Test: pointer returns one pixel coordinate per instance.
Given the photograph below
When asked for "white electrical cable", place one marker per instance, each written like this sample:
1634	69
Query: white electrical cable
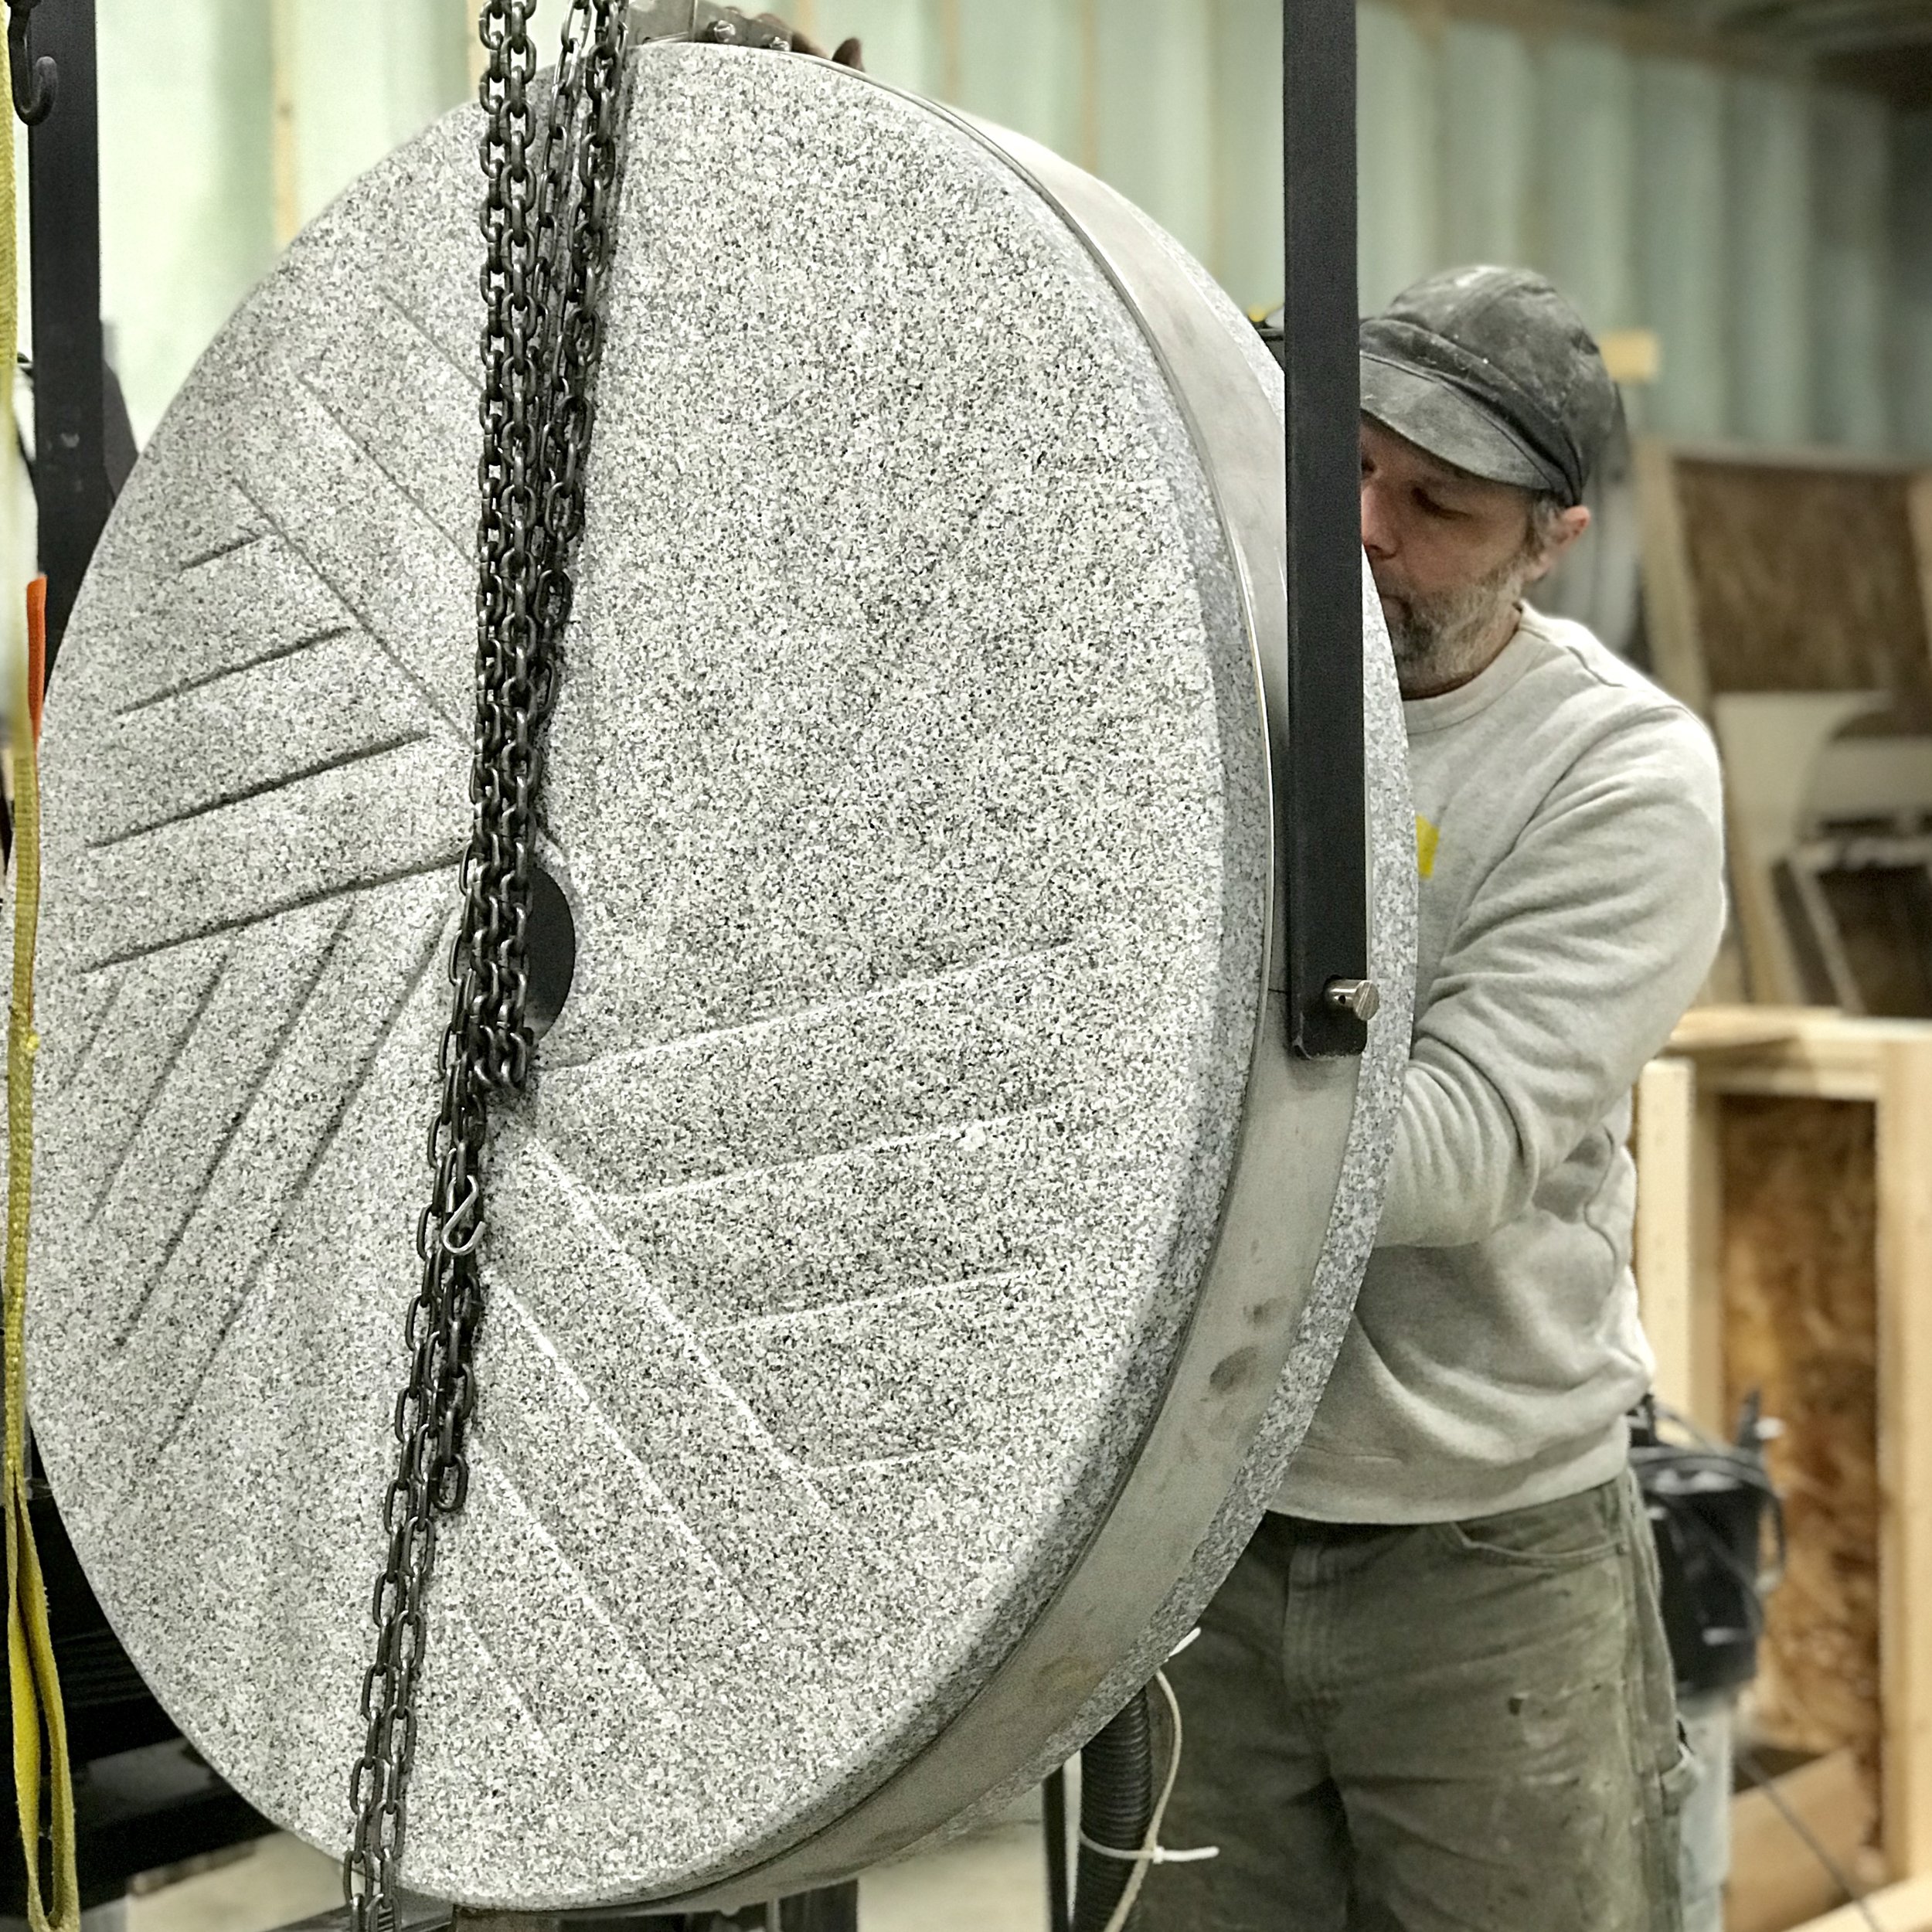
1151	1851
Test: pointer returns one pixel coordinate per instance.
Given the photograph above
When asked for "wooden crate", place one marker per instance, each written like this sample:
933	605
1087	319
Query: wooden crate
1769	571
1794	580
1784	1238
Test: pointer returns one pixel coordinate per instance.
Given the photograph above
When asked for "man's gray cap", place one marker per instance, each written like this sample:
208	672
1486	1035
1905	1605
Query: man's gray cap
1490	369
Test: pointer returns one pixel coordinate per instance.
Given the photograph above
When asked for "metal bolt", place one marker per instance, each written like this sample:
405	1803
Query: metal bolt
1361	997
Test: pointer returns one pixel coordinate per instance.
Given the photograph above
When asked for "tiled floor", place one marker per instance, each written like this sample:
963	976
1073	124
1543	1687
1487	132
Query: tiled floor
992	1882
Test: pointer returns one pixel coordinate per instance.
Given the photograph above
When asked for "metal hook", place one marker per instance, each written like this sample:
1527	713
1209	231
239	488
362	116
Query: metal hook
36	82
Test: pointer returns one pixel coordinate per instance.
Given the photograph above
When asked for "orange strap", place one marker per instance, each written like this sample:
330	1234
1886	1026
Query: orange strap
36	652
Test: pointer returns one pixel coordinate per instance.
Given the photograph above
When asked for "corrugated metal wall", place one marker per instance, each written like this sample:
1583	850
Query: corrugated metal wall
1778	236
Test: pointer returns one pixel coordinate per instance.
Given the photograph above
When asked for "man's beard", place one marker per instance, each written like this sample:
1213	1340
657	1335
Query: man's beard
1443	640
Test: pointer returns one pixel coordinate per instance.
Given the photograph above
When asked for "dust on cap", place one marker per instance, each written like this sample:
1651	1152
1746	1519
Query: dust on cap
1492	370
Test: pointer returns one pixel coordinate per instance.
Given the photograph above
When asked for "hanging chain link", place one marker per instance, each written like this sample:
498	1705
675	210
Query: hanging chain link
547	217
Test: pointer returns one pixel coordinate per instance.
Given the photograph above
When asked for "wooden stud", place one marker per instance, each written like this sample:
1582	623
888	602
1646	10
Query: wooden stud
1677	656
1905	1449
951	53
1708	1396
1635	357
1670	592
1678	1254
284	54
1664	1248
1918	510
479	55
1770	968
1739	1029
1899	1908
1089	60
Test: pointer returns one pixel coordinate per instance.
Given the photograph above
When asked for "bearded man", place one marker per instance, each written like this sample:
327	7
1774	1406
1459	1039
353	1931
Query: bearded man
1434	1695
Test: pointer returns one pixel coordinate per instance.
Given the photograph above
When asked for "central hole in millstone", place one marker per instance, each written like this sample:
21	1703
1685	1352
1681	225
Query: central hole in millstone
552	938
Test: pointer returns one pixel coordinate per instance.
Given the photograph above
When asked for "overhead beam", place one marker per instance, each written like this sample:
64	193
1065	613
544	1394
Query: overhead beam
1639	32
1811	21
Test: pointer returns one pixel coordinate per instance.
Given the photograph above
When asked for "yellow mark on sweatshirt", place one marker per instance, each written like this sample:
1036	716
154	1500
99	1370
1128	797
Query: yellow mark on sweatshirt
1428	837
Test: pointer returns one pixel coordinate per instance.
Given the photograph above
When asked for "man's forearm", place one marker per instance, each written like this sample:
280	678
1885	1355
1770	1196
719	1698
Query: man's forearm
1579	955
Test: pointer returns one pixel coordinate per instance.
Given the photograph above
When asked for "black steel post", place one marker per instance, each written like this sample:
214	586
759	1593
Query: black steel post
1059	1897
1327	870
81	445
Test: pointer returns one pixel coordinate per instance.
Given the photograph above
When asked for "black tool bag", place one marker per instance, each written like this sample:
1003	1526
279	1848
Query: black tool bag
1708	1503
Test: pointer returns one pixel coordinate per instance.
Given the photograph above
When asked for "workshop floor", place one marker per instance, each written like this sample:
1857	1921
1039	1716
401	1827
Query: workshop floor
993	1881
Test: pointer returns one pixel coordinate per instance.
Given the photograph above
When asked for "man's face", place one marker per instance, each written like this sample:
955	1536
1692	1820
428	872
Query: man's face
1450	554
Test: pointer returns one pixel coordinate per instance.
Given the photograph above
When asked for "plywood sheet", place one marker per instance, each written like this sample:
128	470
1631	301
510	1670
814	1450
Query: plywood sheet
1807	579
1800	1308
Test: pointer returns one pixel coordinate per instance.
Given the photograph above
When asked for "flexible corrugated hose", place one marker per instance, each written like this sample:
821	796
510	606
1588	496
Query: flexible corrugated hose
1116	1809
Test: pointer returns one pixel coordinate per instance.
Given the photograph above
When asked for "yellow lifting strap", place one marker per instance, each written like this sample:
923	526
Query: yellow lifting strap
30	1676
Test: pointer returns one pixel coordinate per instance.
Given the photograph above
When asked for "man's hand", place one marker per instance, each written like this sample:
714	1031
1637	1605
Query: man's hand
847	54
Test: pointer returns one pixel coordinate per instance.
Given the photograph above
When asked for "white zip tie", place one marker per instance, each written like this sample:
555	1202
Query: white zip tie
1161	1855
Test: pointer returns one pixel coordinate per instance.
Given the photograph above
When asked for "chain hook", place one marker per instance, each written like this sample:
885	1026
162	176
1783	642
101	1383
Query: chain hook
36	83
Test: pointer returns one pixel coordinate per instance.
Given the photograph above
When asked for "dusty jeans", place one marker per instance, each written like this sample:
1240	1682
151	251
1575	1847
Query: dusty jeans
1454	1728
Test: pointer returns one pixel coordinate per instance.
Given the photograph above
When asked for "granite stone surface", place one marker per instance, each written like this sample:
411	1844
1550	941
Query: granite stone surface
907	787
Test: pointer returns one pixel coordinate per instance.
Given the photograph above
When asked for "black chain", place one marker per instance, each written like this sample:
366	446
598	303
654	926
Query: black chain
547	220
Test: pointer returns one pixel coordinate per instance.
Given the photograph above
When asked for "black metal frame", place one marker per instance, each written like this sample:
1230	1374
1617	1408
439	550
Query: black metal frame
1326	864
141	1811
1059	1892
83	447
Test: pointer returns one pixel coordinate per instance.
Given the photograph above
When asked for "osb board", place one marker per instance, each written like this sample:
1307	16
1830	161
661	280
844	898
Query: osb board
1807	579
1799	1284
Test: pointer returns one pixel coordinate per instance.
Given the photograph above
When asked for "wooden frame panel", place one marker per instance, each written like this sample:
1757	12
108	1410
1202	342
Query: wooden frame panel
1905	1446
1719	1052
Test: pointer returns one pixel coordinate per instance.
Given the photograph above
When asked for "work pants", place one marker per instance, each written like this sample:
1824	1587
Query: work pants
1456	1727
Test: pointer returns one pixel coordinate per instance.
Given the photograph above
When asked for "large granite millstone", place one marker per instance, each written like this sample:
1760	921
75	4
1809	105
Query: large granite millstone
916	1254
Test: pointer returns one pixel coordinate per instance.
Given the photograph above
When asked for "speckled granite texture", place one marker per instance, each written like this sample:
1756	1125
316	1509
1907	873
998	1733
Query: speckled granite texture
907	787
1352	1229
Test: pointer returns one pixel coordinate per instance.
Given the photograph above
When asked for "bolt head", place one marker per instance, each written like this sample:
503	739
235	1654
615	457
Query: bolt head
1362	998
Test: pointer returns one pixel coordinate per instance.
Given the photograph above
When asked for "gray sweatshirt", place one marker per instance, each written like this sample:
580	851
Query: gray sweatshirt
1570	833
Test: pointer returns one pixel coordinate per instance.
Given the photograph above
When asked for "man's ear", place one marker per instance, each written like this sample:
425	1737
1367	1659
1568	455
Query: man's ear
1557	537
